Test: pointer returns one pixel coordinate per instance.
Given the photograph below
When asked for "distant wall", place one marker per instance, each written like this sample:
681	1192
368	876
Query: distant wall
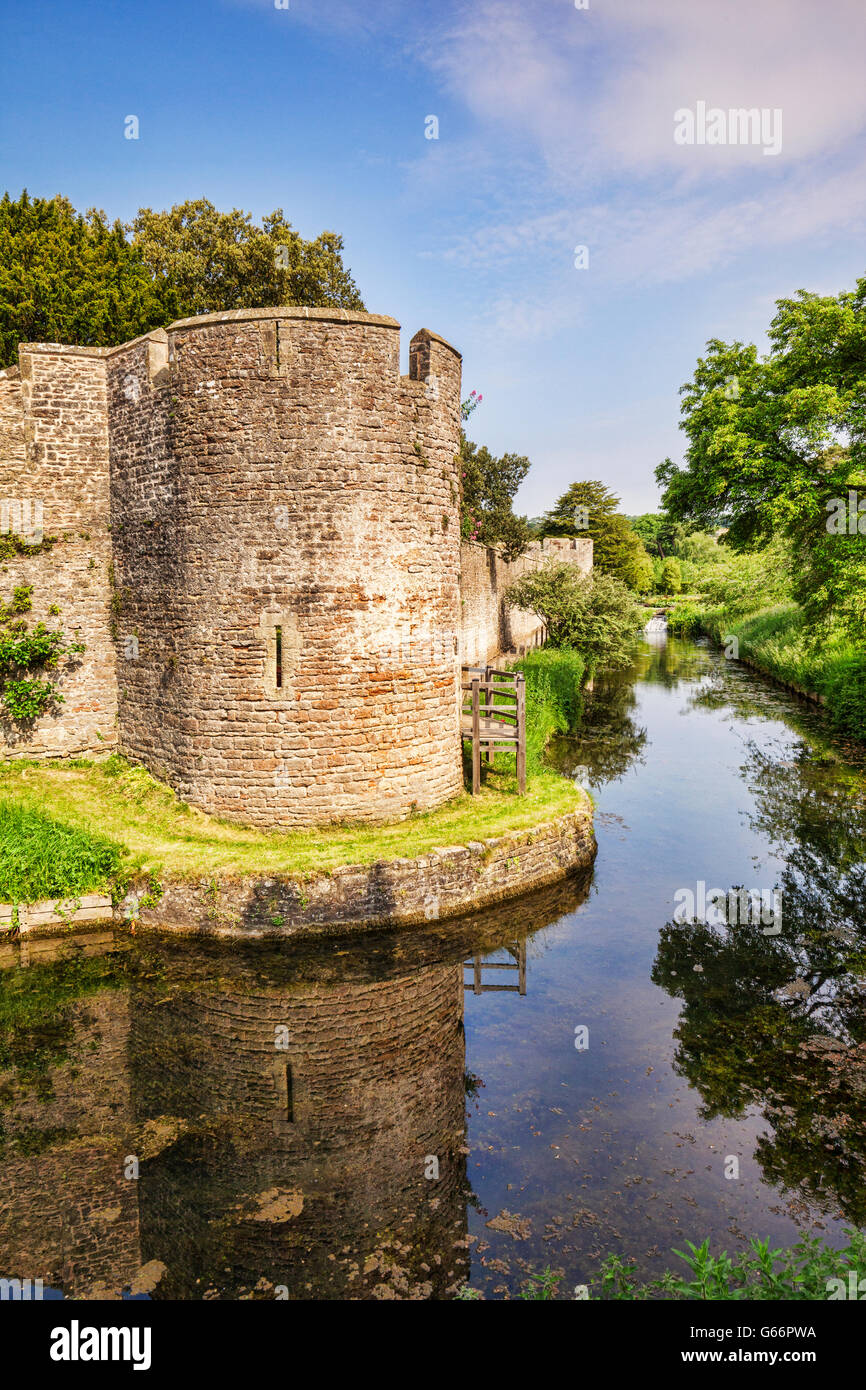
54	453
488	626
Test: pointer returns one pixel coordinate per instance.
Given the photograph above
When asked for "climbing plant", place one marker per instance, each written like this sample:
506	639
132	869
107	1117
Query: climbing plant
26	656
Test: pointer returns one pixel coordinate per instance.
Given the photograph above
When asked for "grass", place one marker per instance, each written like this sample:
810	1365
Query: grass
553	699
71	827
42	858
778	641
809	1269
114	801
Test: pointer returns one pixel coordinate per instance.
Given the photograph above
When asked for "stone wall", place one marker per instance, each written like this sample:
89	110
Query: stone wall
54	451
448	882
68	1214
488	626
252	524
278	487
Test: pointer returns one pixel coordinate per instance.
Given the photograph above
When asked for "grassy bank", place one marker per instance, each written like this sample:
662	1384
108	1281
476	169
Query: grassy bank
779	642
553	698
73	827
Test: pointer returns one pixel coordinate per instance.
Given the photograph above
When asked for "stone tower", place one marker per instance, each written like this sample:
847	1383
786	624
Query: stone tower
257	536
285	517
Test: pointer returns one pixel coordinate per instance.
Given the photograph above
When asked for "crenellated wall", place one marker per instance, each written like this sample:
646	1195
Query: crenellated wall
252	522
54	455
488	625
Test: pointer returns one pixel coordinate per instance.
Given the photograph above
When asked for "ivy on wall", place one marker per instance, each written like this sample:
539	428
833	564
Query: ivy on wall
27	655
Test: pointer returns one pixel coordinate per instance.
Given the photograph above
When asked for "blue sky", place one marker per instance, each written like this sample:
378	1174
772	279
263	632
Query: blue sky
556	130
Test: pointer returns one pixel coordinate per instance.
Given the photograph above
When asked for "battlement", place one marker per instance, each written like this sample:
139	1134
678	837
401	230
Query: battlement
251	520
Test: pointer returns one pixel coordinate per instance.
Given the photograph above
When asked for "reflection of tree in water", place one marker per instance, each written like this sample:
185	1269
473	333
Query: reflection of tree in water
669	661
779	1022
610	741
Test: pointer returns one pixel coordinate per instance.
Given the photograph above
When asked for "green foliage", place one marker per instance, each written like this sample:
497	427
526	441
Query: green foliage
807	1270
671	576
67	277
13	545
202	261
844	688
590	509
685	620
764	456
488	488
42	858
553	700
23	696
659	532
597	616
541	1288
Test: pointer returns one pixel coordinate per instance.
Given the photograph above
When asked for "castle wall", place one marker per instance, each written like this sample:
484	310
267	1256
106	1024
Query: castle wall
251	521
488	625
300	492
68	1214
54	451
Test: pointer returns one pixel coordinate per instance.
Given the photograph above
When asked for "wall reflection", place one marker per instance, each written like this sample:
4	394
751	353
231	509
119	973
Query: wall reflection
297	1113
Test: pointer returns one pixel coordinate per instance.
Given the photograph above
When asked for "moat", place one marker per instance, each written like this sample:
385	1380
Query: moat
345	1119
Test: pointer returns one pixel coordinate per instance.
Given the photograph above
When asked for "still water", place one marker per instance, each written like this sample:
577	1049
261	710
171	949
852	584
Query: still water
397	1115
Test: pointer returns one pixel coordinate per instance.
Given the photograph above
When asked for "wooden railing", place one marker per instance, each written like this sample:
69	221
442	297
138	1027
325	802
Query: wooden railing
493	715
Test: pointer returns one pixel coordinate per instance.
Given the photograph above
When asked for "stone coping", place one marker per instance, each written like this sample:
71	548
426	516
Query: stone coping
284	311
447	882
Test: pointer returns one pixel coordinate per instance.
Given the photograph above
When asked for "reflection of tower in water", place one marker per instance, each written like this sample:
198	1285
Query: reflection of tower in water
297	1112
321	1134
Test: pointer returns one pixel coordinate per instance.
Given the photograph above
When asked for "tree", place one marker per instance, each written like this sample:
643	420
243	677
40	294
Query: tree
596	615
489	485
671	576
777	444
203	261
590	509
659	533
69	277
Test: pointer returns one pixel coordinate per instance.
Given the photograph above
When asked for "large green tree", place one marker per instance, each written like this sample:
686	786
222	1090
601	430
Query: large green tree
73	277
591	509
68	277
777	447
489	485
203	261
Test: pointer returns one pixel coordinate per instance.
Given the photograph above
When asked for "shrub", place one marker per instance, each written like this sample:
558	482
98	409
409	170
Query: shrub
671	576
597	617
553	700
685	620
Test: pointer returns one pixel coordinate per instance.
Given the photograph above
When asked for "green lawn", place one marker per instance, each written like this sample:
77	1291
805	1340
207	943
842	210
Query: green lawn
119	803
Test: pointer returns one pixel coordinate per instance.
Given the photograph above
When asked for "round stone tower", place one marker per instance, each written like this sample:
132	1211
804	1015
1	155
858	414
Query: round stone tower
285	514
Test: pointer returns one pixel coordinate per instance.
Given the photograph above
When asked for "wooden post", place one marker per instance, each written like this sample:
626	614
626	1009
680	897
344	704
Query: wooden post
521	735
476	737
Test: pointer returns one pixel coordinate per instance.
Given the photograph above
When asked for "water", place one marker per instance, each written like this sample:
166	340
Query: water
346	1120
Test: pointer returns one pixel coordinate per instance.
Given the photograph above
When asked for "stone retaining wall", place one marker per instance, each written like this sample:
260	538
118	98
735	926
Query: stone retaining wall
448	882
